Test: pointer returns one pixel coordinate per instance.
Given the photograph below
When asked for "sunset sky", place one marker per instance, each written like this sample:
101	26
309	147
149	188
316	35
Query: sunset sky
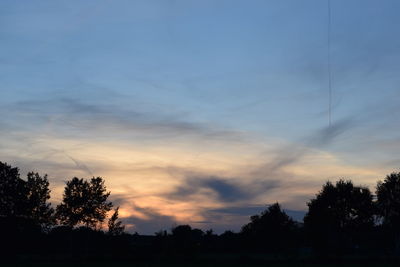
200	112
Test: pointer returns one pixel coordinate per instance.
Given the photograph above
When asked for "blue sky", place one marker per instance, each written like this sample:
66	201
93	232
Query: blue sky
177	103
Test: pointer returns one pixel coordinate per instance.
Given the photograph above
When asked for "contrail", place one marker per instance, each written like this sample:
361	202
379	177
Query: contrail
80	165
329	64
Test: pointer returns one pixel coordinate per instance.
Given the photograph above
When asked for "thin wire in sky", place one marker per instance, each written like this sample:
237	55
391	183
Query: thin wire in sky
329	65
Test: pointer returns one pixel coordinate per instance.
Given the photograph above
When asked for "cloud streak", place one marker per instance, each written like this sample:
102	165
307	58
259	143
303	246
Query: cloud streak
294	152
84	118
80	165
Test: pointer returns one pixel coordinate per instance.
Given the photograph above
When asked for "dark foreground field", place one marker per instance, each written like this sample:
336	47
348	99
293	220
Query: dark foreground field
212	260
187	264
238	259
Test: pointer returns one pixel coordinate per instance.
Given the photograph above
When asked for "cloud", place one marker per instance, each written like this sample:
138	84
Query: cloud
151	222
219	189
294	152
327	135
66	116
222	189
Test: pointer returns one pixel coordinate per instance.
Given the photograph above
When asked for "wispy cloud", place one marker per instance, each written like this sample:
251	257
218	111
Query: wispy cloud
295	152
71	116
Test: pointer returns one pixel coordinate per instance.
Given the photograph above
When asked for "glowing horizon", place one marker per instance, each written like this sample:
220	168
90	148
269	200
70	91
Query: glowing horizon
200	112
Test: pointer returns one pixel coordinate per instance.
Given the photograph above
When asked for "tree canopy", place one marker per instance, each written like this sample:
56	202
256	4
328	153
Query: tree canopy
273	225
25	199
12	197
388	199
338	212
37	194
84	202
271	220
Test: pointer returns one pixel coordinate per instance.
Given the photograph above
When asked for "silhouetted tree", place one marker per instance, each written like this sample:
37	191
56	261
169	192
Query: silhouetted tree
185	238
210	239
37	194
24	199
273	225
388	204
340	215
12	197
84	202
23	208
115	226
209	232
388	199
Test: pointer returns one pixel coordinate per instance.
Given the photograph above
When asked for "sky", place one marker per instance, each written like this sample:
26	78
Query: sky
200	112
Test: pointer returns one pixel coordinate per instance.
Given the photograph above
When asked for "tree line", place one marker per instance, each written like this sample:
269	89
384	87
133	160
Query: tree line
85	202
342	219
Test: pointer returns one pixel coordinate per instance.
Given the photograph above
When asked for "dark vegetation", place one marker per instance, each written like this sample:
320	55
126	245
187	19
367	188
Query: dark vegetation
344	223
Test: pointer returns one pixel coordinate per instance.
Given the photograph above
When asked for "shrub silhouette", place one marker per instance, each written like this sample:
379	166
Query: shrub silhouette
115	226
